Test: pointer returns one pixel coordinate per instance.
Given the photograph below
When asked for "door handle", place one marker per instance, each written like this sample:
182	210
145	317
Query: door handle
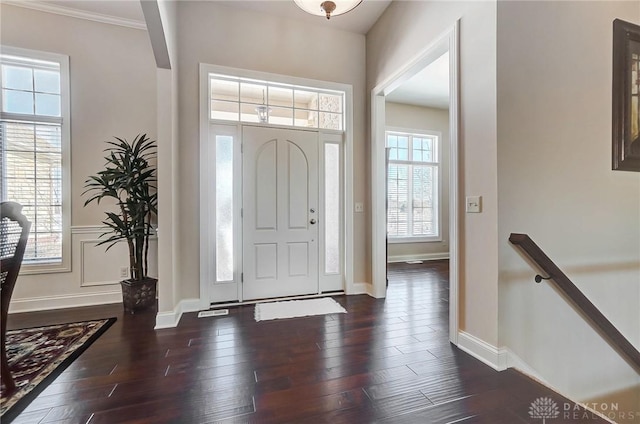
312	222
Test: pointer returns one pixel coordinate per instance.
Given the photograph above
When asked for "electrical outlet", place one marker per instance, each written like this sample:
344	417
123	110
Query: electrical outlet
124	272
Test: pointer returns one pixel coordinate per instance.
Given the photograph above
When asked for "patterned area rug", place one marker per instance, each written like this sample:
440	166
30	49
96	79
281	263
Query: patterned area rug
38	355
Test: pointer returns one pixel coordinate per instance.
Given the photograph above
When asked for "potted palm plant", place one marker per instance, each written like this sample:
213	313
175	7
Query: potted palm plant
129	178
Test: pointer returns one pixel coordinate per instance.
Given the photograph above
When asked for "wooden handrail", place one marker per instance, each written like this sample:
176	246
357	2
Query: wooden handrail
590	311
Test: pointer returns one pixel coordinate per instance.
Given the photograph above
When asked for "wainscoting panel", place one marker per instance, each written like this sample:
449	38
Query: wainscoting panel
94	277
101	267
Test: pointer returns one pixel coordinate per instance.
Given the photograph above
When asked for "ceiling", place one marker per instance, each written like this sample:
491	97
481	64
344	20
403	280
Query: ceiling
360	20
428	88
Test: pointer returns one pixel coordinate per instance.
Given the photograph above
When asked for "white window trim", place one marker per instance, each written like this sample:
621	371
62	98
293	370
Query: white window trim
330	281
416	239
65	120
413	131
230	289
233	131
269	84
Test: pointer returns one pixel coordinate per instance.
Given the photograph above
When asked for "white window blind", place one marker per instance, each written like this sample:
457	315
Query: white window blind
34	100
412	186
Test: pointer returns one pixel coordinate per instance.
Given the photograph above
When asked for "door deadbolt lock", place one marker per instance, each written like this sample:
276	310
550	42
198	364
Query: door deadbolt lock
312	210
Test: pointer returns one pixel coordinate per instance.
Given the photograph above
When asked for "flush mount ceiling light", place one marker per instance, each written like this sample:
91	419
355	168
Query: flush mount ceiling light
327	8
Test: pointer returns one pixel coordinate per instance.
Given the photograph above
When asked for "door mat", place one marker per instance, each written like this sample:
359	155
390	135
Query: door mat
297	308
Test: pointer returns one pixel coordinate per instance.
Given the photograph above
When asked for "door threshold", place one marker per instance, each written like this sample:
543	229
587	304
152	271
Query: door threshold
275	299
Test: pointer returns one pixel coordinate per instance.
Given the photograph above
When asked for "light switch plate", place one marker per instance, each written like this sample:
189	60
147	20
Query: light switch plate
359	207
474	204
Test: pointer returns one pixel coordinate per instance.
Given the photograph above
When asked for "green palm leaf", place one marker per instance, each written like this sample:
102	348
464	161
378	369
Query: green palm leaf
129	178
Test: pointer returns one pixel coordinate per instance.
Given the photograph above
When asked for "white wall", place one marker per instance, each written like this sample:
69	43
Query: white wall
556	184
425	119
113	93
405	29
215	34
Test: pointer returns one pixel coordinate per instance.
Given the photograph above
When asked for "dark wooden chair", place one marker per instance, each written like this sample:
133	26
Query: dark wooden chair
14	233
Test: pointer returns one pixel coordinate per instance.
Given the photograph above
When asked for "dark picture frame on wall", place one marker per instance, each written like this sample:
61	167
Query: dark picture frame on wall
626	96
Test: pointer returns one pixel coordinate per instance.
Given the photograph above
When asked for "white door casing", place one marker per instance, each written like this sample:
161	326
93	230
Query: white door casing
280	212
449	40
222	292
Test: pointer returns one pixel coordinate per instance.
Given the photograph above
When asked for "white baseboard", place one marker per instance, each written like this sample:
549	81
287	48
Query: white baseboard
483	351
64	301
418	257
172	318
361	288
514	361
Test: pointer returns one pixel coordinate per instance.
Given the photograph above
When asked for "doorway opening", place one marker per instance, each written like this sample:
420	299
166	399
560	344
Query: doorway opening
413	156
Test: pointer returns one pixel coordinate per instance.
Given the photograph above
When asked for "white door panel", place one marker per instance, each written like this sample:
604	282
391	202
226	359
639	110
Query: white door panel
280	231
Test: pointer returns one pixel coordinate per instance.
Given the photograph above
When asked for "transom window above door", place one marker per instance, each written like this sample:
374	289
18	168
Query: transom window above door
248	100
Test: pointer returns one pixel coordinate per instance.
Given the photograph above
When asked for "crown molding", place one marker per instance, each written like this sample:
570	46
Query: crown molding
76	13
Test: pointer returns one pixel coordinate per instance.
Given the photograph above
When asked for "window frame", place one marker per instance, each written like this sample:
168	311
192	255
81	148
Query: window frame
330	281
437	164
65	132
269	84
235	132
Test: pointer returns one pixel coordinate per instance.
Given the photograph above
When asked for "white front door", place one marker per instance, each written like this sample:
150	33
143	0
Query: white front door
280	212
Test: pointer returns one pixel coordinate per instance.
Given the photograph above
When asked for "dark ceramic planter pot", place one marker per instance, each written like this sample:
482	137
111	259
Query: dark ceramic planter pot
138	296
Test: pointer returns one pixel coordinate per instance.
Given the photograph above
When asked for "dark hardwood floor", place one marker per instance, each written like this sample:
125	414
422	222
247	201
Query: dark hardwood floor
386	361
